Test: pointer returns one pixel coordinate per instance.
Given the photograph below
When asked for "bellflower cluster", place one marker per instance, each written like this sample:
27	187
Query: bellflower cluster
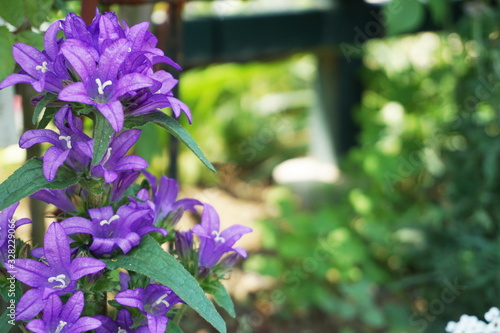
109	232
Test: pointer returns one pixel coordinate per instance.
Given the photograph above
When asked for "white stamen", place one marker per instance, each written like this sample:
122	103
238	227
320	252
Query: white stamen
61	278
108	154
101	86
162	300
60	326
218	238
67	139
42	68
129	49
111	219
121	330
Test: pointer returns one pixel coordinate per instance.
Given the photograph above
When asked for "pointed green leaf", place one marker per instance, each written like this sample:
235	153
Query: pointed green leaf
102	136
28	179
173	327
222	298
174	128
42	104
6	58
152	261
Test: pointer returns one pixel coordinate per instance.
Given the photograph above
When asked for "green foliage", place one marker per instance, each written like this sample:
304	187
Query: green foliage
6	42
413	241
102	136
253	115
28	179
222	297
174	128
167	270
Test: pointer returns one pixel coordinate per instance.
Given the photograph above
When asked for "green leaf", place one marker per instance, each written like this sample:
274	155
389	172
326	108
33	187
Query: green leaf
37	11
403	16
42	104
102	136
5	326
439	10
173	327
152	261
28	179
47	116
6	59
222	297
174	128
12	12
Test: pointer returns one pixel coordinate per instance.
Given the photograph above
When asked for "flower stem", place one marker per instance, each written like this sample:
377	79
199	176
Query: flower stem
180	313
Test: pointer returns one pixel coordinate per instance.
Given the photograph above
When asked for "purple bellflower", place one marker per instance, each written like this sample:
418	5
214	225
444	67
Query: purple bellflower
101	85
115	160
214	243
164	198
154	301
58	276
58	198
68	145
63	319
7	226
122	324
45	70
111	231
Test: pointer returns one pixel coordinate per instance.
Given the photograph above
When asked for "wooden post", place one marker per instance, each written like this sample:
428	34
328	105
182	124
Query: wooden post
88	10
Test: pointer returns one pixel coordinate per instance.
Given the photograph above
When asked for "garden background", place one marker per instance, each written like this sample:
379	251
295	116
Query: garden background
367	162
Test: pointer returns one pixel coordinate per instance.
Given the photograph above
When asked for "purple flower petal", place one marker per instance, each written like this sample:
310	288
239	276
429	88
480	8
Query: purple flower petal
15	79
131	162
82	266
50	39
53	306
52	160
36	326
57	198
75	92
107	325
122	143
233	233
80	57
113	112
72	309
30	59
30	304
130	82
85	324
157	324
131	297
56	246
112	58
31	272
32	137
74	225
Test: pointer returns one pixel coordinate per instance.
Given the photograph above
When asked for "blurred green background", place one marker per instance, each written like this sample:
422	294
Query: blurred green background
406	238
